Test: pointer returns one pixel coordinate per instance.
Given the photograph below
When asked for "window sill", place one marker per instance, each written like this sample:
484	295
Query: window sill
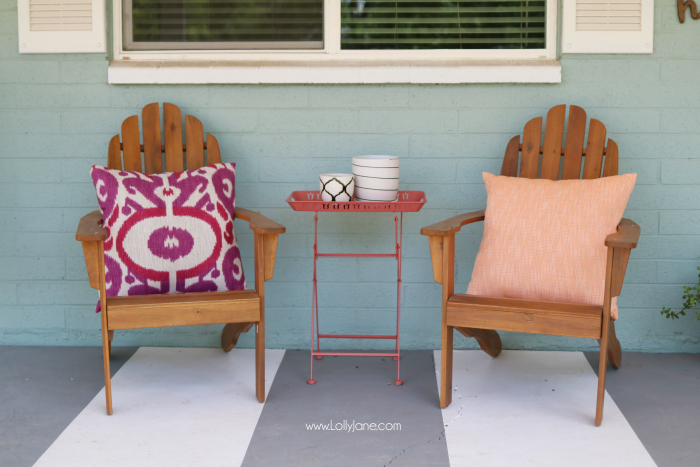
334	72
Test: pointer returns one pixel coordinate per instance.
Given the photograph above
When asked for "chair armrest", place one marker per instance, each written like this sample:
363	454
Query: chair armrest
453	224
259	223
627	235
90	228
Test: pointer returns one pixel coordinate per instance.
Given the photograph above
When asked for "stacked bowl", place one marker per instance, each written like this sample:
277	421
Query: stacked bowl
376	178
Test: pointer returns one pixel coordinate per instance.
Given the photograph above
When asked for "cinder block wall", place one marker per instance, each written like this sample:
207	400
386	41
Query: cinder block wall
57	113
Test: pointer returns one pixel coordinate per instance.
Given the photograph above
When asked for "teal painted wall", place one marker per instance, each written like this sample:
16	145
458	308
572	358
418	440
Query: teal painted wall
57	113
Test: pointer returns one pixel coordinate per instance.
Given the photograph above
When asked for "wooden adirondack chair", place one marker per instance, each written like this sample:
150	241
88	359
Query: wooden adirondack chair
240	310
480	317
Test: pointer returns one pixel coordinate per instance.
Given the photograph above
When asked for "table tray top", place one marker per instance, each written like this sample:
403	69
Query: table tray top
407	201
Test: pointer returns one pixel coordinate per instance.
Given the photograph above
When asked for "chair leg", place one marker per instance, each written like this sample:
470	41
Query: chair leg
614	347
446	367
111	337
260	360
489	341
231	333
602	365
106	346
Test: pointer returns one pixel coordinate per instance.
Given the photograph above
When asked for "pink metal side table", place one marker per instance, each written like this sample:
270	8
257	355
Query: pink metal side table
408	201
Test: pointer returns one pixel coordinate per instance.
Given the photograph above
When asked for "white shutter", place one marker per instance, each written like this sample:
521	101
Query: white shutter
608	26
61	26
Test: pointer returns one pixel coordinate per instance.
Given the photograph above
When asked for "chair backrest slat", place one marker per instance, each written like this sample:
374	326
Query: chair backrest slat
152	154
114	159
510	161
573	152
172	123
152	147
131	144
213	153
594	150
553	137
194	135
596	156
530	159
611	159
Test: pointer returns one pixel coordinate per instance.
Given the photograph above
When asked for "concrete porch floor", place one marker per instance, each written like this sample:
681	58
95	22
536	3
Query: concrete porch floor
42	389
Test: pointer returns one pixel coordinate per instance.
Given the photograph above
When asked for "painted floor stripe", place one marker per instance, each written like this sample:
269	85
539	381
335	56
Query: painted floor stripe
529	408
172	407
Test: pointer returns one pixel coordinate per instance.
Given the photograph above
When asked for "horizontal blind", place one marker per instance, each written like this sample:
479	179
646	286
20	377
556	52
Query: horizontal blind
601	15
60	15
206	24
437	24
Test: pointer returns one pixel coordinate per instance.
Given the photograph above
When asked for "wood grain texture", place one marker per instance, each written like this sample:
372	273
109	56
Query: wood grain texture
231	333
530	157
573	152
269	253
614	347
92	263
213	152
453	224
627	235
152	155
436	244
593	163
90	228
510	160
602	364
611	159
447	348
114	154
172	121
553	137
194	136
488	339
105	327
620	258
131	144
558	319
150	311
258	222
259	245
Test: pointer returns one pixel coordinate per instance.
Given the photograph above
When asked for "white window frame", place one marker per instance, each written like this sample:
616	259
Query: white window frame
332	51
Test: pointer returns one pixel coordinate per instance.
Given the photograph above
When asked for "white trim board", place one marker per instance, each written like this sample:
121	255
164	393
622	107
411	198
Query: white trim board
529	408
172	407
340	72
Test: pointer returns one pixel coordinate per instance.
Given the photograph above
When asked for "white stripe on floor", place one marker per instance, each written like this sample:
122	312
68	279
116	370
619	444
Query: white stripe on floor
172	407
529	408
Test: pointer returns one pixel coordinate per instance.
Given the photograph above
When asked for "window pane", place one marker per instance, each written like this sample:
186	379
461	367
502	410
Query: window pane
223	24
436	24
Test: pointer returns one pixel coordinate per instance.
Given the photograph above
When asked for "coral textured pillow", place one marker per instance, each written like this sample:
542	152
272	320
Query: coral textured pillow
169	232
545	240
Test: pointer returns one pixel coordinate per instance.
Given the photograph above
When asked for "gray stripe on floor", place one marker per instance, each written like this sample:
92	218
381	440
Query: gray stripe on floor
351	388
658	395
42	389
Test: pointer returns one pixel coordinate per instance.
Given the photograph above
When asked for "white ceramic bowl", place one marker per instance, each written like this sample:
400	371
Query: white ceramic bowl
376	172
377	183
376	161
367	194
337	187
